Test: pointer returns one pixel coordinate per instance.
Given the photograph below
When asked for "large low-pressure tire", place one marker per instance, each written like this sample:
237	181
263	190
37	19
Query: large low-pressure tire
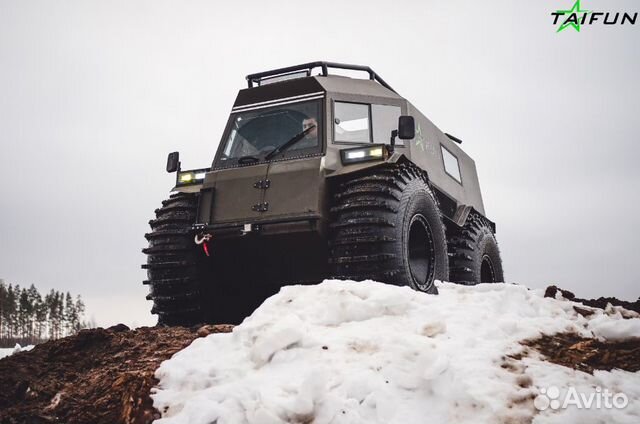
387	227
173	262
474	256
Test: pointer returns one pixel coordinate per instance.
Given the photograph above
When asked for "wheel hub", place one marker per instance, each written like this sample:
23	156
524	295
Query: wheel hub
487	271
421	252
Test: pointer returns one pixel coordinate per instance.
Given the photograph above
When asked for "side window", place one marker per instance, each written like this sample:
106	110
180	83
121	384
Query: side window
451	165
351	122
385	120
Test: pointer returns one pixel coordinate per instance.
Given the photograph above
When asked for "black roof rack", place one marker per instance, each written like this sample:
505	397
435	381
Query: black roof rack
256	78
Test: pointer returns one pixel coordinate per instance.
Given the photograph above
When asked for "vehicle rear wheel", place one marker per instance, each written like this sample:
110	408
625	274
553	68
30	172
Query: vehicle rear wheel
473	253
387	227
173	262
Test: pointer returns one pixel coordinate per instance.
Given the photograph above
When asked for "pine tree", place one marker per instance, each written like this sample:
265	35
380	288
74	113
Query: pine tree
52	306
28	317
61	317
79	307
40	317
3	306
23	314
11	310
70	314
32	297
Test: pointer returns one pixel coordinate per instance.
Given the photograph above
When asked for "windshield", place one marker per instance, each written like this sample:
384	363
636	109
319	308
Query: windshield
255	134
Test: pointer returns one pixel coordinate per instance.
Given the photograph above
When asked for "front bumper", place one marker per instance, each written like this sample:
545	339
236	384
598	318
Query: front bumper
308	223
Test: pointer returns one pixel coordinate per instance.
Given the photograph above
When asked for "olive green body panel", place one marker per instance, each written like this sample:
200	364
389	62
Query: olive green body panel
425	151
234	193
297	186
264	192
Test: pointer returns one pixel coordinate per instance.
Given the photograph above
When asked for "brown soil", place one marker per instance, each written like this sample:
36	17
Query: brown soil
587	355
96	376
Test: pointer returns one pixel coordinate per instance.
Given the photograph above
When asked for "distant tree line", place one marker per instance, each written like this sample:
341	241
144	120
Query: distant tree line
28	317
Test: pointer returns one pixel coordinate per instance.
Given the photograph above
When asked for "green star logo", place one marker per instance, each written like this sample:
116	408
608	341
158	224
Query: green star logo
572	20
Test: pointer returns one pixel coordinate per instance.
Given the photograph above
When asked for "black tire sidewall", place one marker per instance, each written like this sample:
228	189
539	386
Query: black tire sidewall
172	303
417	199
488	246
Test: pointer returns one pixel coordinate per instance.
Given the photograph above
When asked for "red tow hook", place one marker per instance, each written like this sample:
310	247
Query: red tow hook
203	239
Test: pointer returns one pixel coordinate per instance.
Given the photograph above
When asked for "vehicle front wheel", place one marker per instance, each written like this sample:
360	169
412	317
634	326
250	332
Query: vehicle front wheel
173	262
387	227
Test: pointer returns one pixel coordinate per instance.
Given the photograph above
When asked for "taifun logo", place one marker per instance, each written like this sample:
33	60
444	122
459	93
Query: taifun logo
576	17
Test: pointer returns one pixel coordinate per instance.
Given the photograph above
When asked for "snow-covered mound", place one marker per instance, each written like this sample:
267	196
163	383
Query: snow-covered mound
11	350
346	352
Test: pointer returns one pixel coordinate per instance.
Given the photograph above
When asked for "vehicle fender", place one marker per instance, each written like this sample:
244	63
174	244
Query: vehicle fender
396	157
195	188
460	212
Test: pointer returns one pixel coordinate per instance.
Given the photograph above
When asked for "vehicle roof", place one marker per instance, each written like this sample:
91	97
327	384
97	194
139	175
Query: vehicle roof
313	85
357	86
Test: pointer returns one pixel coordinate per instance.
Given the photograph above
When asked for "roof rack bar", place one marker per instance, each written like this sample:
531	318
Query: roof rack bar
255	78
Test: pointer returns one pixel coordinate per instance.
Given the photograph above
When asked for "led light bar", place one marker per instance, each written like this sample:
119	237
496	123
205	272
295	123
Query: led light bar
363	154
195	176
284	77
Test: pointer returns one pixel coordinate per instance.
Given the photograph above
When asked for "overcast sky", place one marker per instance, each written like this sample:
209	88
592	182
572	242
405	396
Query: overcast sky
93	95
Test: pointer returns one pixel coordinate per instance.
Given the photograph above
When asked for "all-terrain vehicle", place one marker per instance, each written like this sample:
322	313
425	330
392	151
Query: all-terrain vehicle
317	176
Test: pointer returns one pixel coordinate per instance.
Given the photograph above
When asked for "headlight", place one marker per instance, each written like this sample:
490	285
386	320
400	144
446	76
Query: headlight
191	177
363	154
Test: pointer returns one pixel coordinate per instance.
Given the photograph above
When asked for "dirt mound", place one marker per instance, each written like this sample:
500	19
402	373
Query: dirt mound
600	302
96	376
587	355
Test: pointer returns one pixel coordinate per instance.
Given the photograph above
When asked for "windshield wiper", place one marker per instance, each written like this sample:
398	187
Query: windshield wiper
289	143
247	159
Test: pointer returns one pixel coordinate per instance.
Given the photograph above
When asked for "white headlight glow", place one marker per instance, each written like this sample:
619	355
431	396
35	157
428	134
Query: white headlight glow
362	155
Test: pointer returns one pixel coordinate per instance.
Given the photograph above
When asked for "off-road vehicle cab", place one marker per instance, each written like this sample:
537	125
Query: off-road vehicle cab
317	176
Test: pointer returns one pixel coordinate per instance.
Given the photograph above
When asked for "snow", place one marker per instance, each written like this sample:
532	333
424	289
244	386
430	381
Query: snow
11	350
614	327
347	352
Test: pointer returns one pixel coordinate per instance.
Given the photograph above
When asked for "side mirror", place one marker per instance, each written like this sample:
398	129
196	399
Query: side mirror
406	128
173	162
